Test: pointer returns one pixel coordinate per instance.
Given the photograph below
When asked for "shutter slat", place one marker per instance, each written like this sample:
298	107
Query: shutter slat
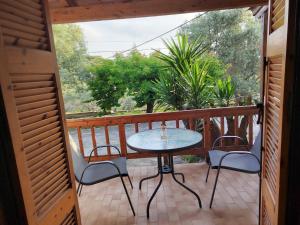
25	8
41	158
13	18
34	154
37	111
33	85
22	24
36	118
34	98
35	91
40	137
277	14
41	143
46	189
36	105
47	172
48	128
54	196
38	124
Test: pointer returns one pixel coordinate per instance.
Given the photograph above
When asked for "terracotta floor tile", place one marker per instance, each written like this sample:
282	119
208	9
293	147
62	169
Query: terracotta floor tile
235	203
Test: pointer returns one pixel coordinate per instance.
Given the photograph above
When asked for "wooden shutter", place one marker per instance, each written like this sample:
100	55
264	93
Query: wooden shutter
33	102
276	121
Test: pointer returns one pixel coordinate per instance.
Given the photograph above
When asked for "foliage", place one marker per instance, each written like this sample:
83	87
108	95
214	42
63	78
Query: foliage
72	60
182	53
192	158
170	93
127	103
71	55
194	83
106	88
234	36
190	76
139	72
224	91
132	75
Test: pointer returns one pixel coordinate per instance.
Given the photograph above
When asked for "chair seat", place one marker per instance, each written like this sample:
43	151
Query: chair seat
102	172
238	162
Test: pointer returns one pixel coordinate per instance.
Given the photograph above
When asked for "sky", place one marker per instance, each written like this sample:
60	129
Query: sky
105	38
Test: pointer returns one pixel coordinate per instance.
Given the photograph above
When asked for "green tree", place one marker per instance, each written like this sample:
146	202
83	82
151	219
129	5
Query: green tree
71	55
131	75
139	72
72	61
105	85
234	36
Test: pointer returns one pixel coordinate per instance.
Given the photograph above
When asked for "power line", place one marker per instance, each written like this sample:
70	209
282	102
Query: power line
158	36
105	41
107	51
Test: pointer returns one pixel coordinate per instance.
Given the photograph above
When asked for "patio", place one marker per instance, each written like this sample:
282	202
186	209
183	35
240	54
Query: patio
235	203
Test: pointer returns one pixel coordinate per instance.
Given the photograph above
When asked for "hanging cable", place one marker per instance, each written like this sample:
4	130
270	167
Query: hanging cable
158	36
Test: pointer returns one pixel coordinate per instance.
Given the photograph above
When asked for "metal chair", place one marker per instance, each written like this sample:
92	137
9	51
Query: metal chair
241	161
87	173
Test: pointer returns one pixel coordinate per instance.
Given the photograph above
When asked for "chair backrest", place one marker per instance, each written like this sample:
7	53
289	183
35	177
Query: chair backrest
256	148
79	162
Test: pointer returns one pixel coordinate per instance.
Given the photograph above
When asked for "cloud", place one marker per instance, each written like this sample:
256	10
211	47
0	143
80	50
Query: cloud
105	38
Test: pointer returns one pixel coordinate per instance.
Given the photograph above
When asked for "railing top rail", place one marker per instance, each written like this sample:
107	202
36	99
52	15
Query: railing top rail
167	116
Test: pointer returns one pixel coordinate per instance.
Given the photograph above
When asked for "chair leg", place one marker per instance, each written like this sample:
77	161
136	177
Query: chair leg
207	172
130	181
131	206
79	189
214	190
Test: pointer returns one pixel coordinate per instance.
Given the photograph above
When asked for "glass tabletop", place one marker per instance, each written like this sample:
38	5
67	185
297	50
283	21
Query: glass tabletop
176	139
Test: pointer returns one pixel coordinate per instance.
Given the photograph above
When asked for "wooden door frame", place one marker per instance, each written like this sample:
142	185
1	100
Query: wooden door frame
292	209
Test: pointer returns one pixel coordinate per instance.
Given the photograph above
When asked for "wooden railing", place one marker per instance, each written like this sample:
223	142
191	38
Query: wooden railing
91	132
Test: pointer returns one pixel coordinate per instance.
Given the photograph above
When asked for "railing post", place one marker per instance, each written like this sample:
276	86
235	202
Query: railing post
207	138
94	140
222	129
236	128
80	141
122	137
107	141
150	125
250	117
177	123
192	123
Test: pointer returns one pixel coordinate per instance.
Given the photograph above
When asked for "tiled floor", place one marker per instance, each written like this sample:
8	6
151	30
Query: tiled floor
236	199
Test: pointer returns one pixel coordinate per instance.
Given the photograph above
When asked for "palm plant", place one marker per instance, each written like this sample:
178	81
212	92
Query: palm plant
224	91
195	84
224	94
170	93
185	82
182	53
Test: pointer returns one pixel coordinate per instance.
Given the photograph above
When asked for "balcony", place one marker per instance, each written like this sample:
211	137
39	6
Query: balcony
237	195
235	203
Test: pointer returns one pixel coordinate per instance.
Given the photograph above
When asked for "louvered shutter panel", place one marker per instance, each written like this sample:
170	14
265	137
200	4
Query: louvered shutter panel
275	153
277	14
34	106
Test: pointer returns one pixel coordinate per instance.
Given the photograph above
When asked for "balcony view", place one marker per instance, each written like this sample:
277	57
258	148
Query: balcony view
195	71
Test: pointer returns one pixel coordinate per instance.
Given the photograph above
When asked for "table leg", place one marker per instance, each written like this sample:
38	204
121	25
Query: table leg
167	168
160	172
182	176
187	188
147	178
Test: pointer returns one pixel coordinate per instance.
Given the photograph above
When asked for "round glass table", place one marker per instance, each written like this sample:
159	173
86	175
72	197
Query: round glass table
165	144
